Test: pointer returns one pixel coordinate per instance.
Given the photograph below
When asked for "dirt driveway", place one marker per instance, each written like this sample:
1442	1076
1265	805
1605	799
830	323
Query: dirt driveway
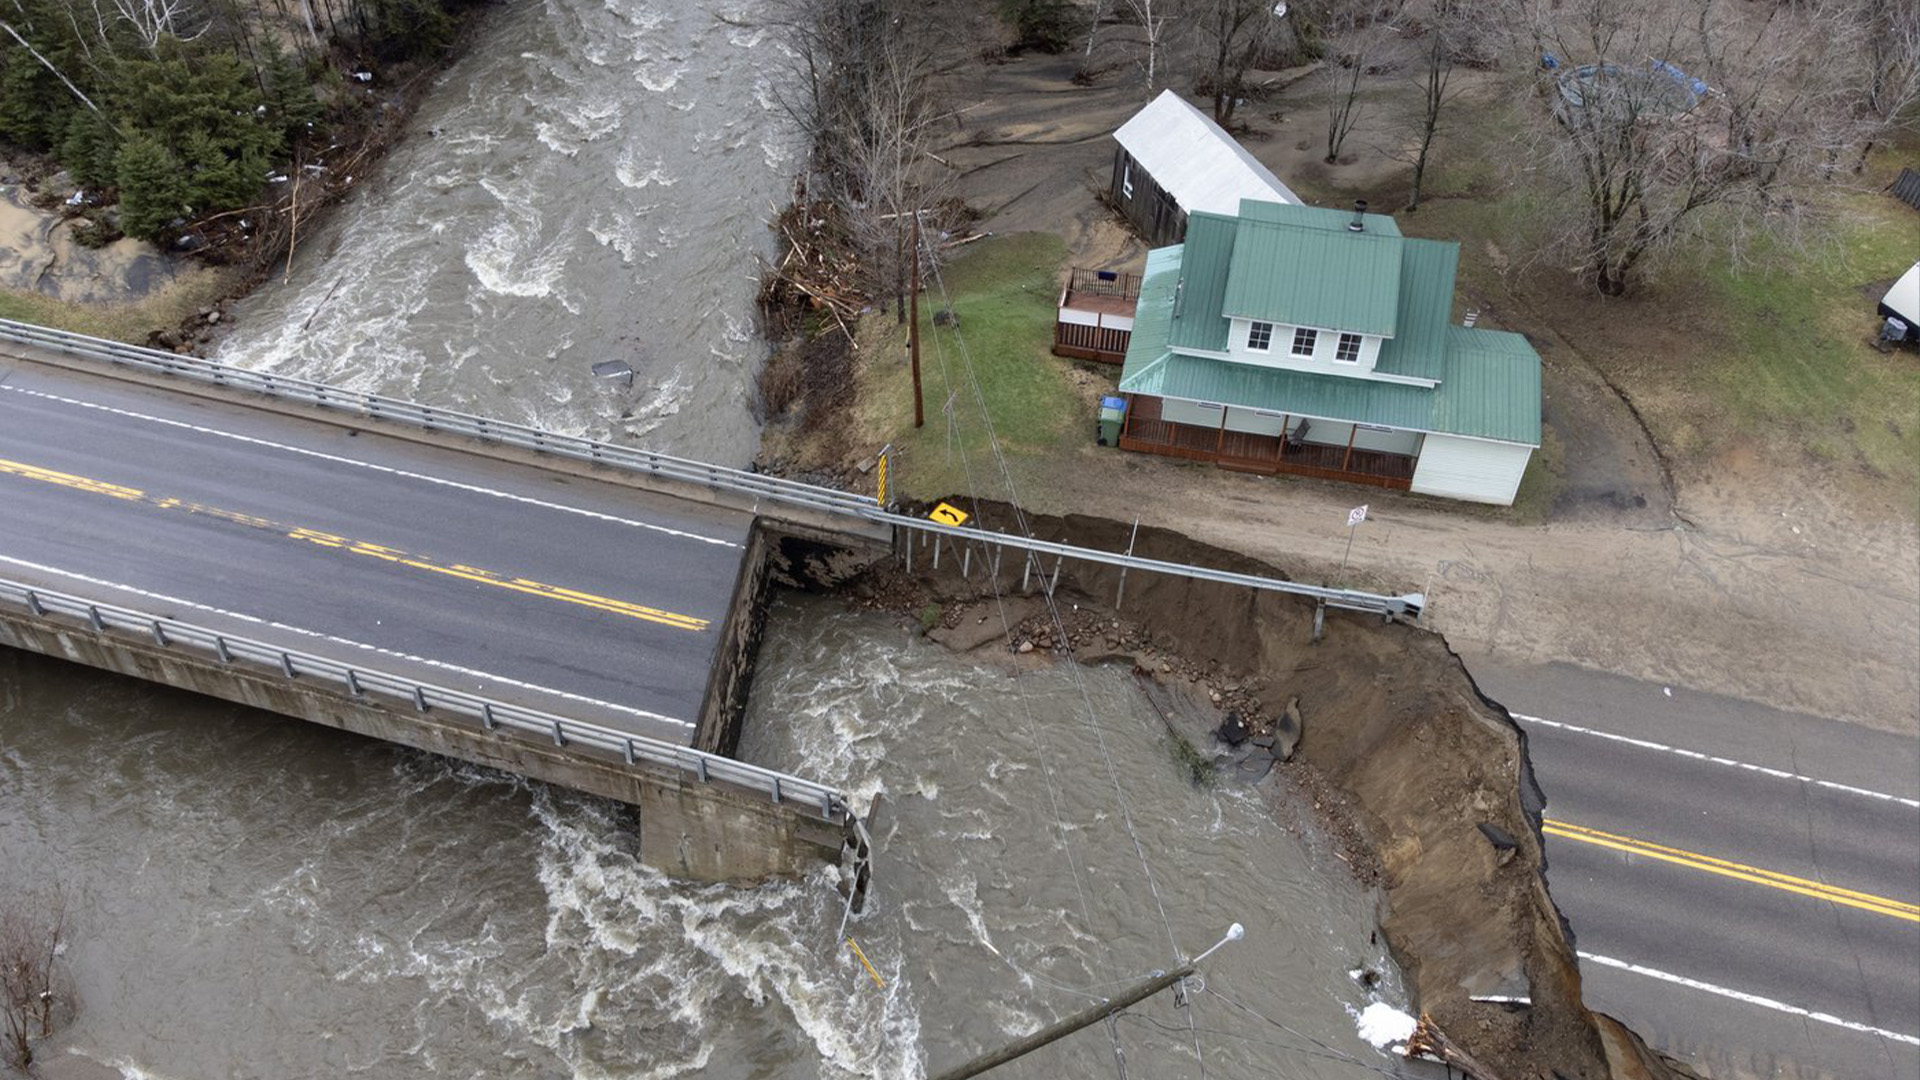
1742	580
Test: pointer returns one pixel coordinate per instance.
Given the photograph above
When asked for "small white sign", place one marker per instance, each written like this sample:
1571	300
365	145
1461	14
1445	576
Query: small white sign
1356	515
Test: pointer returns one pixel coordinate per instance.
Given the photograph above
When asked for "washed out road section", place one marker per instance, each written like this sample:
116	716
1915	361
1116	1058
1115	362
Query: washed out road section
546	589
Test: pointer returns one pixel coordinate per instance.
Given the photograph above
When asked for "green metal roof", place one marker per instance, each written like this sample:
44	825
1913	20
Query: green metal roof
1418	349
1311	276
1315	217
1153	312
1491	389
1209	248
1489	380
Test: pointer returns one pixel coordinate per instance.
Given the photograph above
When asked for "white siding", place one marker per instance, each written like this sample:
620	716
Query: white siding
1280	353
1254	421
1470	469
1387	441
1186	412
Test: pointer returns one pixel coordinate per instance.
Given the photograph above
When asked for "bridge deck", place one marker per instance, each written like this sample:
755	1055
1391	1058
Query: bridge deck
554	591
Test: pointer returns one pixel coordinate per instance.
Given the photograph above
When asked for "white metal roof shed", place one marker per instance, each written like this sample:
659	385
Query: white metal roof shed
1904	298
1196	162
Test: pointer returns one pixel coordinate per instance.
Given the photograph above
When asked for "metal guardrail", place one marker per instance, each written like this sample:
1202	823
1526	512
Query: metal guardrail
805	796
755	486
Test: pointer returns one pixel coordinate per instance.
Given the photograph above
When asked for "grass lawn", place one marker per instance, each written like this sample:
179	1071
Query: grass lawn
166	307
1004	290
1770	354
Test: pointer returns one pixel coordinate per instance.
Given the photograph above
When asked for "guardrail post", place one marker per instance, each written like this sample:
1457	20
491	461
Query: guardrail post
559	736
33	605
159	635
419	698
486	716
286	665
1026	572
626	751
353	682
909	533
936	551
966	560
700	767
1054	582
776	790
93	616
1319	619
220	649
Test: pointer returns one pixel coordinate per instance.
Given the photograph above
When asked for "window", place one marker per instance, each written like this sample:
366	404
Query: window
1304	340
1260	337
1348	351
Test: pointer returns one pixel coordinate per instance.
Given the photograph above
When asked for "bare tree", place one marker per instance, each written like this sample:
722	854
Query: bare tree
1433	78
1358	34
34	989
153	20
1657	110
1152	16
1229	37
1880	65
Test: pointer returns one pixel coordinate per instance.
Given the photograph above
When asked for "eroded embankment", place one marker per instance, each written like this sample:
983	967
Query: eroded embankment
1392	720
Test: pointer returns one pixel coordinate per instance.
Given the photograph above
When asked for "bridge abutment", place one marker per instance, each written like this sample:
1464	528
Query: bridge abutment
688	828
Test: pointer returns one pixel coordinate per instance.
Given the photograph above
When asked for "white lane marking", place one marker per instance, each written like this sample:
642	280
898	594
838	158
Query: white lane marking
409	657
1696	755
358	464
1750	999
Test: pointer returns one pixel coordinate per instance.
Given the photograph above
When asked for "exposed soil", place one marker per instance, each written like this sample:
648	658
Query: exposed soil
1753	574
1400	762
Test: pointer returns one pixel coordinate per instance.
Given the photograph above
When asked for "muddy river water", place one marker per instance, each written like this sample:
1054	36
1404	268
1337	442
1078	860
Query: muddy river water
256	897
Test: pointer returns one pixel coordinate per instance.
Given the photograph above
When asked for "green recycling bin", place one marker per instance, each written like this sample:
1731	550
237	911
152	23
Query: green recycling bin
1113	416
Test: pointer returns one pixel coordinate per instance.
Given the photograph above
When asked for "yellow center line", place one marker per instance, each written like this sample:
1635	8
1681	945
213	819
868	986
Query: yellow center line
1819	890
460	571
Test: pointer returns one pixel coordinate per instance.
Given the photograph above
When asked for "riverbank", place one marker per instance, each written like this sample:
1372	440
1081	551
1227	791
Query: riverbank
1410	777
54	273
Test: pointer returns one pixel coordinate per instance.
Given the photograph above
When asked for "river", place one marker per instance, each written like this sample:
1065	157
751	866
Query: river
255	896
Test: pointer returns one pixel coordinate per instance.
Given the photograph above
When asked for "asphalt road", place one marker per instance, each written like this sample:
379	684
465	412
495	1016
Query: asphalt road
561	593
1753	915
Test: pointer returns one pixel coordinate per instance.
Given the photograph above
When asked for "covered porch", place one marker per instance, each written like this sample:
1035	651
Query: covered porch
1149	431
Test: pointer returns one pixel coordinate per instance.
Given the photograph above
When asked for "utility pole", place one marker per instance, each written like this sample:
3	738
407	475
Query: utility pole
913	326
1086	1017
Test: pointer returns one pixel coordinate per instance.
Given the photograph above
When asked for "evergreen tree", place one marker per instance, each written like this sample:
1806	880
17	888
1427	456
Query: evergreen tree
291	104
153	188
89	149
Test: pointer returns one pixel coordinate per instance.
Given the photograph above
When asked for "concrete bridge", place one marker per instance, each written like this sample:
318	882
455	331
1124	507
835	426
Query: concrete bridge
578	612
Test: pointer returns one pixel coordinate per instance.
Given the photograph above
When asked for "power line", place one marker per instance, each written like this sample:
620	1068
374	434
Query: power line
1053	610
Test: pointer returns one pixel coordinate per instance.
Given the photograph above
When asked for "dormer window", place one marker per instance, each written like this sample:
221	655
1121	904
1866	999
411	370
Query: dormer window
1348	351
1260	337
1304	340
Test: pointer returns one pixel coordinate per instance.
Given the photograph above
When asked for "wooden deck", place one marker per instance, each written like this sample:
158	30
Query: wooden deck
1145	431
1098	297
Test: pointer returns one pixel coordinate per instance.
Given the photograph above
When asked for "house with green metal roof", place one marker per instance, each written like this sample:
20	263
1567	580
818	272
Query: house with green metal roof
1297	339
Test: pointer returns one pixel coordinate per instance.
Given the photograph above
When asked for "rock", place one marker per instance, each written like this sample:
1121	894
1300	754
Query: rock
1214	696
1287	731
212	317
1231	731
1026	647
1503	843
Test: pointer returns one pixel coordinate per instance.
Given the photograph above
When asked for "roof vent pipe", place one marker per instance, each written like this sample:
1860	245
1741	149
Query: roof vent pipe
1359	222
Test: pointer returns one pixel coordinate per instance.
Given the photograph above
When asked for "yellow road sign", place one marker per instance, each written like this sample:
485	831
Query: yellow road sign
947	514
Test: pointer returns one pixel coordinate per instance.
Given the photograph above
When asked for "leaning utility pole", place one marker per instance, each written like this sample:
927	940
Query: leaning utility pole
1088	1016
913	325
